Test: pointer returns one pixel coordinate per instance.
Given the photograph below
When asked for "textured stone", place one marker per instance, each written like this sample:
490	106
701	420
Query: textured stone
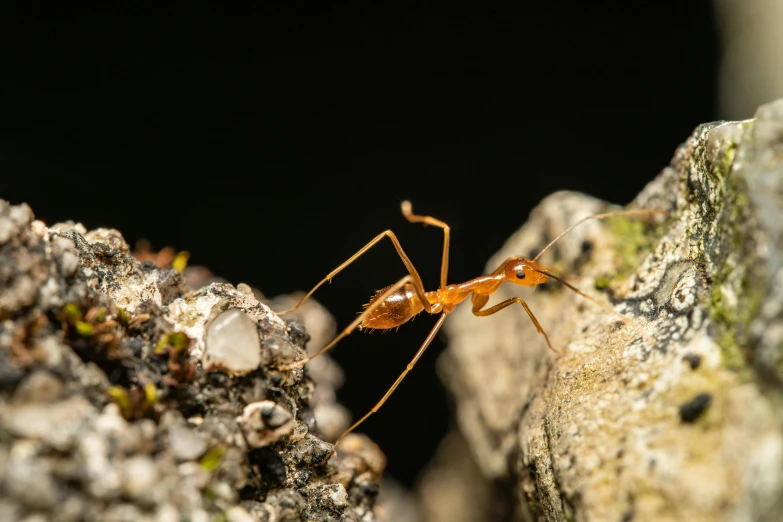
101	363
625	424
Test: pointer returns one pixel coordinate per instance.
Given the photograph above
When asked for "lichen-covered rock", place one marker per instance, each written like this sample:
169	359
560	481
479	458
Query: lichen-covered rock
676	415
130	393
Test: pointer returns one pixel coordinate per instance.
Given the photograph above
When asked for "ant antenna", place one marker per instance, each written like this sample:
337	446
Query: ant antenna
597	216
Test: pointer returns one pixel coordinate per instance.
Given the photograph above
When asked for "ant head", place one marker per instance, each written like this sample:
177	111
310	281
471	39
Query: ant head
523	272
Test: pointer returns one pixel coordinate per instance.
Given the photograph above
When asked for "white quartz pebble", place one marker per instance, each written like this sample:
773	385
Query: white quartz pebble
232	343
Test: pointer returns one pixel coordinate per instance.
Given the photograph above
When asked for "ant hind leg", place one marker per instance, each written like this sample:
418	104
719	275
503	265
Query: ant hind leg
405	372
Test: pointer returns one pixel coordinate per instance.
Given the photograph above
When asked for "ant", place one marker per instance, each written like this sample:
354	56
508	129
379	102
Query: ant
398	303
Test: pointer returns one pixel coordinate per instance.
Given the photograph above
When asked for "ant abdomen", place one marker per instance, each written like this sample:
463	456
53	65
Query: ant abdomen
397	309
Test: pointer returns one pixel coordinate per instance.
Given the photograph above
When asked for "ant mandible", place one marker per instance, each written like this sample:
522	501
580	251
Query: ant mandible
400	302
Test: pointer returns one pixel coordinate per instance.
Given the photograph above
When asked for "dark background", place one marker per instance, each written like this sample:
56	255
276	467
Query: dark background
273	142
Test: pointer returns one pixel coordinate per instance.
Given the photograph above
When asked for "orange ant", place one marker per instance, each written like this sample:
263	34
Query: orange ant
400	302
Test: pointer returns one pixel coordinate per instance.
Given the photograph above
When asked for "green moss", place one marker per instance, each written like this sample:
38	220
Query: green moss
727	160
177	340
635	239
733	319
150	394
180	261
73	312
84	329
602	283
212	458
120	397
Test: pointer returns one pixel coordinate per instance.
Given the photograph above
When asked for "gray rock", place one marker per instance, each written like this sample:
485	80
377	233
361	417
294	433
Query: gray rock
100	363
185	443
58	424
139	476
673	416
40	386
29	480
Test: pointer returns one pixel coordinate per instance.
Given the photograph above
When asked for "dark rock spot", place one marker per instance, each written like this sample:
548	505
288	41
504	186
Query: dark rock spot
693	359
694	408
587	247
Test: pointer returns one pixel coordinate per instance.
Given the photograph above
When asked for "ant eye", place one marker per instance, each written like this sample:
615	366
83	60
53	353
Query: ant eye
520	275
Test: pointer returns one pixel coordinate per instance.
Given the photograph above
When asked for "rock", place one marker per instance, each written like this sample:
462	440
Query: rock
58	424
104	356
453	489
331	417
238	514
40	386
185	443
396	502
672	416
140	476
264	423
29	481
232	343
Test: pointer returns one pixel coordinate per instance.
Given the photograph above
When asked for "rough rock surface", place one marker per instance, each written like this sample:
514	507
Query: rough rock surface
675	416
113	408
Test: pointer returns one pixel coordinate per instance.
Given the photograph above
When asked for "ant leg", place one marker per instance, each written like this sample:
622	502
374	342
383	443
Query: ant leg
415	280
351	327
634	212
480	301
407	211
408	368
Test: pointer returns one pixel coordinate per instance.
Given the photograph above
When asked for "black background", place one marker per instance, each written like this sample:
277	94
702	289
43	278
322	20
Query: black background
273	142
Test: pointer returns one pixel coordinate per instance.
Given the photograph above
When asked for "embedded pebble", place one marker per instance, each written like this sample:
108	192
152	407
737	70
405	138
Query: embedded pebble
40	386
101	477
265	422
232	343
6	230
334	495
185	443
238	514
140	474
9	511
56	423
30	481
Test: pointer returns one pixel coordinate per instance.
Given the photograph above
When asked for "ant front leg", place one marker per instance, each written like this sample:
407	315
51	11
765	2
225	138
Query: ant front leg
480	300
